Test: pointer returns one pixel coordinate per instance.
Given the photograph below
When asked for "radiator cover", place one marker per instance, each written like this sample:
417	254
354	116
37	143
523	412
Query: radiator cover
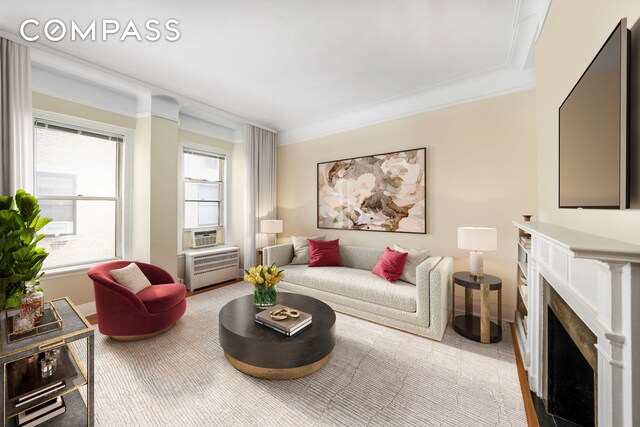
211	266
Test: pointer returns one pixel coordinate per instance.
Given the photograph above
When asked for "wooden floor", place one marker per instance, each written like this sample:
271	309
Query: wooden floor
93	319
532	418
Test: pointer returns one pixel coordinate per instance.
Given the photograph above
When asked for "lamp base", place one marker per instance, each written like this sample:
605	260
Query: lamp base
476	265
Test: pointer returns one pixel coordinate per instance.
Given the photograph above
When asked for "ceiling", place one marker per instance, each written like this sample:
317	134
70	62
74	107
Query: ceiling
291	64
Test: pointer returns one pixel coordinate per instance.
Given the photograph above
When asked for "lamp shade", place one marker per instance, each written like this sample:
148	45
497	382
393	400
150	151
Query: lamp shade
271	226
481	239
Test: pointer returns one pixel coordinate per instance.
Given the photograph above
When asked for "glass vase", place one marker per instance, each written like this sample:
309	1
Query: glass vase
264	296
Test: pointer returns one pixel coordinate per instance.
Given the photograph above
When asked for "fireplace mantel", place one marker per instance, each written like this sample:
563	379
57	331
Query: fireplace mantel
599	278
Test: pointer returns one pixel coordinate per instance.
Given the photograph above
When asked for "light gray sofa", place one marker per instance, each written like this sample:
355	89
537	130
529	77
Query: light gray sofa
423	309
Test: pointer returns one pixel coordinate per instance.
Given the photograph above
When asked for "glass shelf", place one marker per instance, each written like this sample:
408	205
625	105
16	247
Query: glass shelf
77	380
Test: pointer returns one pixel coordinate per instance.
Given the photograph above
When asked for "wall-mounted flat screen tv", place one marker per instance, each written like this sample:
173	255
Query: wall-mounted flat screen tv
594	131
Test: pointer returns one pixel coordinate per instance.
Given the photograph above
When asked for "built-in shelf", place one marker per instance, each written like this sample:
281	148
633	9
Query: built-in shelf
522	296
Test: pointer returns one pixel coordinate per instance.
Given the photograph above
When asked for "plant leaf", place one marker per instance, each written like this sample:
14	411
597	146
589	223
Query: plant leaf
42	222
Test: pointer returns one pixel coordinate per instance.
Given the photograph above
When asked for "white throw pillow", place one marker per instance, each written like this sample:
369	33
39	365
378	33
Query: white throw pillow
301	248
131	277
415	257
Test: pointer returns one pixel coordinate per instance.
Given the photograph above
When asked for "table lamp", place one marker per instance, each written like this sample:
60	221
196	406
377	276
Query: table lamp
477	240
271	227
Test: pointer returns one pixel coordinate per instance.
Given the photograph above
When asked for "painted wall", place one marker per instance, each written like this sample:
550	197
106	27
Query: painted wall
574	32
481	161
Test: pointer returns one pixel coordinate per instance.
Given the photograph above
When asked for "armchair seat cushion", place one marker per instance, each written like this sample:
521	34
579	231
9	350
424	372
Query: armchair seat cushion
160	298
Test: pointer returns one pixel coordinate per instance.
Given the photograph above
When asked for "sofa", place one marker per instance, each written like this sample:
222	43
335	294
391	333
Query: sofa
422	309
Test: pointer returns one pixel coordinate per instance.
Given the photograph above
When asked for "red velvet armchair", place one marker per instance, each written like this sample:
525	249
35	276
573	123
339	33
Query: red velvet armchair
125	315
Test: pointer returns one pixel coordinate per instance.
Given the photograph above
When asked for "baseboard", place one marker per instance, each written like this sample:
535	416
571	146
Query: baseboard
508	311
88	308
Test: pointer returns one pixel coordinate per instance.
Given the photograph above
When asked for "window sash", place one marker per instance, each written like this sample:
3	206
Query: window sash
196	214
187	181
191	175
118	139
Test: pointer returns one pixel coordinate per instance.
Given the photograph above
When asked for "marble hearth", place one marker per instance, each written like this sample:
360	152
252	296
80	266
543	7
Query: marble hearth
597	281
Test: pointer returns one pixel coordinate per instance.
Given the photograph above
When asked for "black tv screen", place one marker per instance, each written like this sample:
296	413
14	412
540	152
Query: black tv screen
594	131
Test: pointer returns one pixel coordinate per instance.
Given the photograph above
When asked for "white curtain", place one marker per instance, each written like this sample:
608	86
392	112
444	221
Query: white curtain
260	188
16	118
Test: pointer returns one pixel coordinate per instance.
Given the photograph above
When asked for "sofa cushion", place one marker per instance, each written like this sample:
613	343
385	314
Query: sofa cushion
415	257
160	298
324	253
358	284
390	265
301	248
360	257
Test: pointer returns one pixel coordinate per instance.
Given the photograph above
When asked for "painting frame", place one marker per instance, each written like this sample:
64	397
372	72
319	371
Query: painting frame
323	186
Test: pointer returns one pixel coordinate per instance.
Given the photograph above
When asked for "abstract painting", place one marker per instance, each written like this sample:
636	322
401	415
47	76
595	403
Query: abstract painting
383	192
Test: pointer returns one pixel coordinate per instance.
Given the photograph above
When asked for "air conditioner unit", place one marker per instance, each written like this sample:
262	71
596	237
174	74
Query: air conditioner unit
212	266
203	238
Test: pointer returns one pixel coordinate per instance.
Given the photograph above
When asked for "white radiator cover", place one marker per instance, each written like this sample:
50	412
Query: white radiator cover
211	266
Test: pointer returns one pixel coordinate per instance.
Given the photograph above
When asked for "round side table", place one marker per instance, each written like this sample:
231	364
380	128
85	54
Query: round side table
475	328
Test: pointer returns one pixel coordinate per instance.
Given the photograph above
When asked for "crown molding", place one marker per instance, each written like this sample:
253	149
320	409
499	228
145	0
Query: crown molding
488	85
69	88
203	127
107	79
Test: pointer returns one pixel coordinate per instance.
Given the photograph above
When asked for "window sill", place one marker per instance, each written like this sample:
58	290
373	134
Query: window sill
73	270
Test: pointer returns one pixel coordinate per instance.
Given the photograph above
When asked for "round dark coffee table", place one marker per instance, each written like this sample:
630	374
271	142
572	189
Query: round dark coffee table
261	352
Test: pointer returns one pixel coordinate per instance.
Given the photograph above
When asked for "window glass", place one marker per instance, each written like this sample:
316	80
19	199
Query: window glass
77	184
201	167
198	191
203	175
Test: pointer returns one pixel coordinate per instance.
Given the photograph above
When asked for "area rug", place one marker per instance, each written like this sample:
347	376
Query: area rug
376	376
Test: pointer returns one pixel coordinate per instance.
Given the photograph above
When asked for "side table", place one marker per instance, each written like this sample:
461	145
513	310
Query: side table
475	328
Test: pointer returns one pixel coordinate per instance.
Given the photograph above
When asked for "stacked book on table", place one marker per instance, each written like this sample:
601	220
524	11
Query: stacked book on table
41	413
26	389
289	326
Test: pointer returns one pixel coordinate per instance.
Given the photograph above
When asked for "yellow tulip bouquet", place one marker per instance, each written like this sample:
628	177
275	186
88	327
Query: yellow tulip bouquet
264	279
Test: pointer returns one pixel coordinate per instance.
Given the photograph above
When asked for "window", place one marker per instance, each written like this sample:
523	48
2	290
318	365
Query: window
203	174
77	182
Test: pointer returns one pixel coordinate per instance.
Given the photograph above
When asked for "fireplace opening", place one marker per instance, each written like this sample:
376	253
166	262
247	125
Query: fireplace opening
571	388
571	364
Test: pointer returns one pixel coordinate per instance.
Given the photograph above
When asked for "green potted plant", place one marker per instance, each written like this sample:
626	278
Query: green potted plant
20	258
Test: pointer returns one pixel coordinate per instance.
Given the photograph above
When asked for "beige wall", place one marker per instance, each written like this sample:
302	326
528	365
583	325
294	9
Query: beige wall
141	183
237	199
573	33
164	194
481	172
49	103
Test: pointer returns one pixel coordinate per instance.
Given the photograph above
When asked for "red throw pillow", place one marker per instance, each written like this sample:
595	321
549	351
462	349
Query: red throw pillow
324	253
390	265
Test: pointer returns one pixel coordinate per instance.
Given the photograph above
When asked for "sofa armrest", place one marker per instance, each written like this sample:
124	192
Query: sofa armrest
279	254
434	289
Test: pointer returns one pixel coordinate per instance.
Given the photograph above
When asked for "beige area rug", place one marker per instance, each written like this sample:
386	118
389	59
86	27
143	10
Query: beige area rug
376	376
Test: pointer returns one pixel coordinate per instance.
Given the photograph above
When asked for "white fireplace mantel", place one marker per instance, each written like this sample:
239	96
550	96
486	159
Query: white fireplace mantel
600	280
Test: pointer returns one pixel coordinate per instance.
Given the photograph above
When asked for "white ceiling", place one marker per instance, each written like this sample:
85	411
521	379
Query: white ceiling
291	64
